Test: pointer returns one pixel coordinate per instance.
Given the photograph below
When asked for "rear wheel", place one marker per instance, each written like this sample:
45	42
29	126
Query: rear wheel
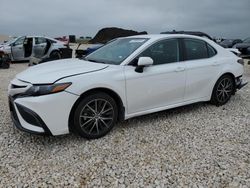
95	115
223	90
55	55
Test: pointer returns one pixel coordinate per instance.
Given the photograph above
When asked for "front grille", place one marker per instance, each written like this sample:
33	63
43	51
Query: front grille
29	116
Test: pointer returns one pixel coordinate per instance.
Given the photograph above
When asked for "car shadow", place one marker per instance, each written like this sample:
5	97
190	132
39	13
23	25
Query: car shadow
178	111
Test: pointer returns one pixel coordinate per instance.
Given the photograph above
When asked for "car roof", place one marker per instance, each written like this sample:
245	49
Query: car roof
36	36
162	36
196	33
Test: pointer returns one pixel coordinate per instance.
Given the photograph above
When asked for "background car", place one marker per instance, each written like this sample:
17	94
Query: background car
244	47
81	53
229	43
22	48
127	77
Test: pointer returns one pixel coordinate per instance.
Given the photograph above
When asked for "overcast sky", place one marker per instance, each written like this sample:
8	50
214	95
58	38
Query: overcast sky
222	18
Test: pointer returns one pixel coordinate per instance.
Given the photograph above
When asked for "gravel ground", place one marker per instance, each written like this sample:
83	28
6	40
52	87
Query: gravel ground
198	145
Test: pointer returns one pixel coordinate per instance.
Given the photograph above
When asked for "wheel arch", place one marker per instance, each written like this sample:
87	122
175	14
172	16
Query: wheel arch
225	73
113	94
230	74
54	50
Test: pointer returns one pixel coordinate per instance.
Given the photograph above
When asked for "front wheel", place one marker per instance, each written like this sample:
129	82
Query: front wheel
223	90
95	115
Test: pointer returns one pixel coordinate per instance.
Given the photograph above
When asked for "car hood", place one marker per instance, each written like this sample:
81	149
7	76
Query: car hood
53	71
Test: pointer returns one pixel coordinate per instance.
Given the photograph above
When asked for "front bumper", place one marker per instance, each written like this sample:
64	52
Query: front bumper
47	114
34	124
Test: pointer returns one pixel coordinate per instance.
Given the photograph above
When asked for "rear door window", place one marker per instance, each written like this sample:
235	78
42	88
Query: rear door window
40	40
195	49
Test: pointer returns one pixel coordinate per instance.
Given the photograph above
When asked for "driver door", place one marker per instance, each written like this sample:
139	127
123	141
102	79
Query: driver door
17	49
159	85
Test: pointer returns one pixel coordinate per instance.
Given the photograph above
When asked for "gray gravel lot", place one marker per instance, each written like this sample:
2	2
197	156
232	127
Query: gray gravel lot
197	145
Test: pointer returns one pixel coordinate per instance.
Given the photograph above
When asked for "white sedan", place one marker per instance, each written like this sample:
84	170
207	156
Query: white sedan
127	77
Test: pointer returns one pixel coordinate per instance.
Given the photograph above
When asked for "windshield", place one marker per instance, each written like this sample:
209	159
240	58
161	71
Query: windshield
247	40
117	51
10	41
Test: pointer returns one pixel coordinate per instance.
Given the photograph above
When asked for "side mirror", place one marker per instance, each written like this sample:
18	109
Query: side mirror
143	62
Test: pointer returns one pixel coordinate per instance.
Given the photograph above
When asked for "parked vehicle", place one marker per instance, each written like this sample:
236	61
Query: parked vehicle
128	77
81	53
244	47
229	43
22	48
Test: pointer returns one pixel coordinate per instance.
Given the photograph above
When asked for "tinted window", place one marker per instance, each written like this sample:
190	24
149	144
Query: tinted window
162	52
195	49
211	51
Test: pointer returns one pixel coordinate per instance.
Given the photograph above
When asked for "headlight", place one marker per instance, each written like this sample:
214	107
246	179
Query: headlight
37	90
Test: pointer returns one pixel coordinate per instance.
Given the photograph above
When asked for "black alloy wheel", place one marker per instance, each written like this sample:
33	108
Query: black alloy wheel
95	116
223	90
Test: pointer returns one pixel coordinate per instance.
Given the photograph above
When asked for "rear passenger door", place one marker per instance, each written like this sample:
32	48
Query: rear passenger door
201	68
39	47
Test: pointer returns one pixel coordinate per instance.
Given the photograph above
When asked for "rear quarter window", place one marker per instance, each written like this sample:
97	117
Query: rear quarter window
211	51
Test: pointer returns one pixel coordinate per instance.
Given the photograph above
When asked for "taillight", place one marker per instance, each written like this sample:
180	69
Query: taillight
240	61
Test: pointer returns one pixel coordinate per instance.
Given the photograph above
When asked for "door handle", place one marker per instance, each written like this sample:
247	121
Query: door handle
179	69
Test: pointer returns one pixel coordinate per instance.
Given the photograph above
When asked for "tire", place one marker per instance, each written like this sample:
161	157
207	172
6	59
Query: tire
95	115
55	55
223	90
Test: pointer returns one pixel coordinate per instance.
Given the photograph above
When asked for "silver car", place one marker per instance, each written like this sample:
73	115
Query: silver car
24	47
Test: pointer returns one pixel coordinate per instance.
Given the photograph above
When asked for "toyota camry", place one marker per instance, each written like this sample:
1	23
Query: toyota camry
127	77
